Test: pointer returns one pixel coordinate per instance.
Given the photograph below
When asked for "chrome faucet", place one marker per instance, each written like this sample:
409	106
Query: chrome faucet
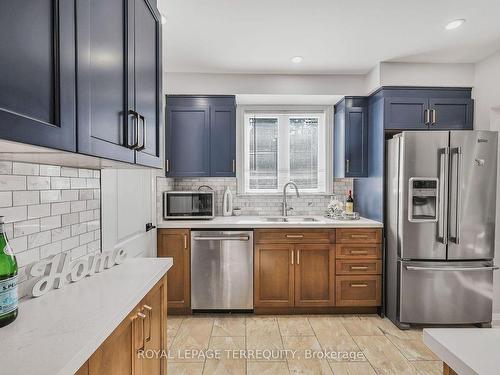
285	205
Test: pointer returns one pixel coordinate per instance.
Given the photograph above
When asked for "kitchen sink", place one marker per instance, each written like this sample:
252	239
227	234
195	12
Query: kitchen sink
290	219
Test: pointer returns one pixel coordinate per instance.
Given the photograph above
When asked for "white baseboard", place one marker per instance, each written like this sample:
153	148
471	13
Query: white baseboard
496	317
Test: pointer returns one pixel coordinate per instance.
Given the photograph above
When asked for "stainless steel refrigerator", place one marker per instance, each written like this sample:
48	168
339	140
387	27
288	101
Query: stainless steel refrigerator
440	227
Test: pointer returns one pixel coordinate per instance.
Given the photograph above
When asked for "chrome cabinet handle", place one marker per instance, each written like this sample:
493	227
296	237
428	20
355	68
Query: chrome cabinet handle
143	143
443	192
234	166
135	116
426	117
359	285
347	165
222	238
168	165
361	268
359	251
434	117
416	268
458	201
149	311
294	236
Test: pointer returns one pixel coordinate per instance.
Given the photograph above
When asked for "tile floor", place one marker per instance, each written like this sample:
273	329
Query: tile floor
364	344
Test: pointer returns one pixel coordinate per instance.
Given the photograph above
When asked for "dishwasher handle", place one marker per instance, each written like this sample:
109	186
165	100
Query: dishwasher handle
221	238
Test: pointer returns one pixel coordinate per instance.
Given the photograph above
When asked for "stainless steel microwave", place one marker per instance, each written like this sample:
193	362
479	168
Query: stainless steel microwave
188	205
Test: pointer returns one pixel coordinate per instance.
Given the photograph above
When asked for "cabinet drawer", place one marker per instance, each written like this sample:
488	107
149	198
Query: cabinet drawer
359	251
294	236
358	290
359	235
358	267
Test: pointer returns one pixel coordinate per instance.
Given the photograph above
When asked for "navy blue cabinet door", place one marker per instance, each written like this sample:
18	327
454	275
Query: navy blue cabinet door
222	141
451	114
406	113
339	157
147	73
187	135
103	120
356	135
37	72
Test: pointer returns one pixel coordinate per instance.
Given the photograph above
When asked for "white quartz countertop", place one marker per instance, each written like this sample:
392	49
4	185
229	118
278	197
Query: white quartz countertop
220	222
468	351
56	333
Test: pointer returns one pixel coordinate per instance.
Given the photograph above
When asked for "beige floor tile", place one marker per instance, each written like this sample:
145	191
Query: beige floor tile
413	350
224	367
185	368
267	368
301	344
428	367
352	368
384	356
294	326
263	333
193	334
362	327
309	367
302	362
388	328
229	326
174	321
170	337
227	342
327	325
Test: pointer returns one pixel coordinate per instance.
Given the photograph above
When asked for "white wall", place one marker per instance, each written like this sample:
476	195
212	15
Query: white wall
487	116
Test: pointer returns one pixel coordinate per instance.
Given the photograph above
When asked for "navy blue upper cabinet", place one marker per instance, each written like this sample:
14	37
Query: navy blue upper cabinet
222	141
37	72
415	108
119	89
351	138
200	136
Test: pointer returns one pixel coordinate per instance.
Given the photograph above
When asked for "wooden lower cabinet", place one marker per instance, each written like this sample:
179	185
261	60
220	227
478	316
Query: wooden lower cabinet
175	243
314	275
360	290
273	275
144	328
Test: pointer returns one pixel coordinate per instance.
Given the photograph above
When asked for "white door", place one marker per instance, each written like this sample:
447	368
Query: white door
127	206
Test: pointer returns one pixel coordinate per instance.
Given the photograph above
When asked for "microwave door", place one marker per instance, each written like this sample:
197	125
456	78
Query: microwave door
422	189
472	198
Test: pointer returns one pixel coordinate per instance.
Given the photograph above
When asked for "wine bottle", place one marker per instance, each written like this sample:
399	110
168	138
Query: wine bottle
349	203
8	280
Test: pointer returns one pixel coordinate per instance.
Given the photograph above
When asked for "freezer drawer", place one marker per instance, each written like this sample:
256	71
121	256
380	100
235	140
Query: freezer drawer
445	292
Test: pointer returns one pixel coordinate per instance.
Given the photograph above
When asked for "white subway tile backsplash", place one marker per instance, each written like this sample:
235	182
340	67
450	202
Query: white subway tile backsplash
23	198
38	182
25	169
38	210
10	182
5	198
50	170
49	209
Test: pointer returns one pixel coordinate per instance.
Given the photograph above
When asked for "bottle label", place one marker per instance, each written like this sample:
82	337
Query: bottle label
349	207
8	295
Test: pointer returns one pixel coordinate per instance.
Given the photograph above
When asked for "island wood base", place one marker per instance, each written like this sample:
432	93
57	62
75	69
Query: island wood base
447	370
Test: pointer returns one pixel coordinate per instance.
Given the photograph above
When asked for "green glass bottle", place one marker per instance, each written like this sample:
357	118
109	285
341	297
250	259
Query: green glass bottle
8	280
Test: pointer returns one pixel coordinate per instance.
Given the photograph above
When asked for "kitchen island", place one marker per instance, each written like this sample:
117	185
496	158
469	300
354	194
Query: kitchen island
465	351
59	332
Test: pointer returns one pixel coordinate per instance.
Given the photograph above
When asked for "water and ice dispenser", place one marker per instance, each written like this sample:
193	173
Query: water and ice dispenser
423	199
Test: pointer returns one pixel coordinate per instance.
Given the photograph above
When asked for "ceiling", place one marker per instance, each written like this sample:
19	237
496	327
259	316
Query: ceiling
333	36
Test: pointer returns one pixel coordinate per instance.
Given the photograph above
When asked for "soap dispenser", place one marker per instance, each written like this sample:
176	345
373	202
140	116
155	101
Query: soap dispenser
227	204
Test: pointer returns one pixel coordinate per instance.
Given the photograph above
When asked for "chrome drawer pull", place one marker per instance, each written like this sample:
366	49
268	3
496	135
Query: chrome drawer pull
294	236
359	285
359	267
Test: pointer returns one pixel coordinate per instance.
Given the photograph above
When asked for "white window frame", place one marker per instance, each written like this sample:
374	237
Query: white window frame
283	113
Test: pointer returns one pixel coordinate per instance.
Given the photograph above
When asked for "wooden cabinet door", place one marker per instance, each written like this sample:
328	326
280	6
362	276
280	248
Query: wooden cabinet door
147	81
314	275
154	335
175	243
222	141
274	275
356	142
406	113
117	355
105	127
451	114
37	73
187	151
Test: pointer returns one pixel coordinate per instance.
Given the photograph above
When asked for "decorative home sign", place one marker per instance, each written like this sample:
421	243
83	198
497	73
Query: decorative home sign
57	271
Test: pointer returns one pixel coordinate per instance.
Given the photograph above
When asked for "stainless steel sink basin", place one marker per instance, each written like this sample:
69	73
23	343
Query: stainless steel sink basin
290	219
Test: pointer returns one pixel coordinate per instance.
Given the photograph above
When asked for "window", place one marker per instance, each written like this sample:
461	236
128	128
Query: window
284	146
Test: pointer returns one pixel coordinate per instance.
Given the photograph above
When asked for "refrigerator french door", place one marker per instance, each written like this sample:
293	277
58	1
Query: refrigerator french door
441	202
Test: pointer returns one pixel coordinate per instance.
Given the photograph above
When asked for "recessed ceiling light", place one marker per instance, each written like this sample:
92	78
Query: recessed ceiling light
163	19
297	59
455	24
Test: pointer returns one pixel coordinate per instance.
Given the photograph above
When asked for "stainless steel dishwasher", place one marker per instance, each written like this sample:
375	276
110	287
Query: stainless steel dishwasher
222	270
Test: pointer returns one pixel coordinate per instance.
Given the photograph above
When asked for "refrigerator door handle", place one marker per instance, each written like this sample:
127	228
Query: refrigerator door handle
417	268
443	193
458	196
